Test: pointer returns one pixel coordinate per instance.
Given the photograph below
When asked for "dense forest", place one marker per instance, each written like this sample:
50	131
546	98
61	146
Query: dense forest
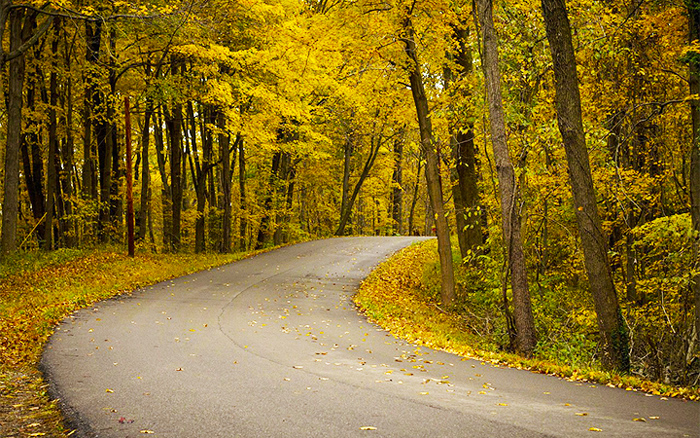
555	144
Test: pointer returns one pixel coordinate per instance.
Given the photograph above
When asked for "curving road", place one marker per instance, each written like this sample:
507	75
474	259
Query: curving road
272	346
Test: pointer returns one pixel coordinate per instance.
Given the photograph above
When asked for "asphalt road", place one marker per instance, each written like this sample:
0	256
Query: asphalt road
272	346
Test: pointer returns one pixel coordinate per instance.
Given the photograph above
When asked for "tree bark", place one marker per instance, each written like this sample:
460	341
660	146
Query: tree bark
432	169
8	241
375	144
525	339
612	329
397	192
52	162
242	196
465	192
224	154
694	26
145	203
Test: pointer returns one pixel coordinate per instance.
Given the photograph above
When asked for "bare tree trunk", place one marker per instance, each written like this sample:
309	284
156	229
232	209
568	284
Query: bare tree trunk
694	25
612	329
52	162
174	125
375	144
525	339
14	138
145	170
224	154
432	167
242	196
397	192
412	230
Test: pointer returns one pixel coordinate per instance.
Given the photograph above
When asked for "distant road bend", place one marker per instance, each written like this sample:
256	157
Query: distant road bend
272	346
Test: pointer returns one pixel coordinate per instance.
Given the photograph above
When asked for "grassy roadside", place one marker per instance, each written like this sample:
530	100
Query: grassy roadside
394	297
38	290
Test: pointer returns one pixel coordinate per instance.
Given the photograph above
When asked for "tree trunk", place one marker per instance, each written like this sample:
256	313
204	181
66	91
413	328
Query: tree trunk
225	157
92	55
52	162
522	308
145	204
432	170
694	25
397	192
242	196
166	194
465	192
375	143
174	125
412	230
14	138
612	329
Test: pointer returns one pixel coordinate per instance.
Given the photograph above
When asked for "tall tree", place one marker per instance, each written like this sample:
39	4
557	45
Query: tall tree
525	339
432	164
693	7
613	331
14	135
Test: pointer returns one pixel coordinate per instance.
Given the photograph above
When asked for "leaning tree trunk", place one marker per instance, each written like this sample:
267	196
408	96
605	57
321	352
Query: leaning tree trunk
612	329
432	167
525	339
8	242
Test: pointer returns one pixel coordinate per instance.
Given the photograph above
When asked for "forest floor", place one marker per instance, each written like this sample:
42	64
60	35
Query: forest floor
38	290
395	296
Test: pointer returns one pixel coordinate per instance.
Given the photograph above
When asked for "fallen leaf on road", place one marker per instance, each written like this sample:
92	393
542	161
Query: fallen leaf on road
147	431
643	420
581	414
368	428
503	404
654	418
595	429
109	391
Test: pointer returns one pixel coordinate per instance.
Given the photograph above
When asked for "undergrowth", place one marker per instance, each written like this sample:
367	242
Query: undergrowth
402	295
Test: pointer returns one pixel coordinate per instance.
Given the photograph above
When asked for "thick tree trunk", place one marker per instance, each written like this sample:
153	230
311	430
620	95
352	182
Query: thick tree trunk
8	240
525	339
694	25
432	167
612	328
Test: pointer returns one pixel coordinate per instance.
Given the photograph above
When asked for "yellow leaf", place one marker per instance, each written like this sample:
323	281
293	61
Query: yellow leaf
581	414
109	390
643	420
368	428
595	429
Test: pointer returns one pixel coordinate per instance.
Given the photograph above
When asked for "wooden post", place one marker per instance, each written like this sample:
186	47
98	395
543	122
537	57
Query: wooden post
129	180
